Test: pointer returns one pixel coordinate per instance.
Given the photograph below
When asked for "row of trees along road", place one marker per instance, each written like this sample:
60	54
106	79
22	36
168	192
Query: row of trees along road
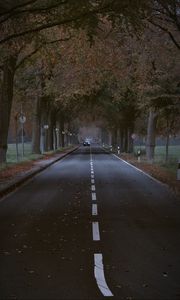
120	58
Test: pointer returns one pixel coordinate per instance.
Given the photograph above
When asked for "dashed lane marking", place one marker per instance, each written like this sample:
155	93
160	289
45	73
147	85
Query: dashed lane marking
93	188
98	258
95	229
99	275
93	196
94	210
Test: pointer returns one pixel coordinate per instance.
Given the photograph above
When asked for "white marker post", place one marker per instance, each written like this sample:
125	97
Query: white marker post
139	155
118	150
178	170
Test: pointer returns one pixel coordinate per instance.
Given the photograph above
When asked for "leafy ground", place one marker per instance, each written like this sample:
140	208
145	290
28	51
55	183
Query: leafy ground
14	169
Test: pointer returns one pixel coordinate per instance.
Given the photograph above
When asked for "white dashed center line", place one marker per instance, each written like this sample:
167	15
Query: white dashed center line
98	258
95	229
93	196
93	188
94	210
99	275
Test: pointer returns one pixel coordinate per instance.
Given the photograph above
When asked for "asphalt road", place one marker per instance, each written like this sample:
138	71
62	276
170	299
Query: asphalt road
90	227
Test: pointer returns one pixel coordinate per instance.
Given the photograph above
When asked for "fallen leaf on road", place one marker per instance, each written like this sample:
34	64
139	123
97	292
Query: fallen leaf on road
31	271
119	286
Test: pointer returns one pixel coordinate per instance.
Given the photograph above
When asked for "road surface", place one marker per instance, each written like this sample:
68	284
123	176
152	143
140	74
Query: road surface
90	227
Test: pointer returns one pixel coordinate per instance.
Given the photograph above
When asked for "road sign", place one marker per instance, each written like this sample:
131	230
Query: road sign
22	119
134	136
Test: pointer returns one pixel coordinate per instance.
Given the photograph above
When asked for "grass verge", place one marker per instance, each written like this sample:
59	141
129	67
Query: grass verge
14	160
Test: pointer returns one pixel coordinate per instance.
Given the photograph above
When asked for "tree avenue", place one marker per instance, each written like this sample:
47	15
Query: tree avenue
115	60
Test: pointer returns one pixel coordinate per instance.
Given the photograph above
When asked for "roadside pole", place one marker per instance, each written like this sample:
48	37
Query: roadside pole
178	170
22	120
16	133
139	155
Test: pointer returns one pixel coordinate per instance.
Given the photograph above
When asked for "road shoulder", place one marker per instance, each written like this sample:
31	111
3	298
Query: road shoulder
15	176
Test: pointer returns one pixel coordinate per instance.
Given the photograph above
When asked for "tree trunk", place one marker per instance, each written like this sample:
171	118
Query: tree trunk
167	142
61	131
51	122
118	137
106	137
126	140
45	126
130	139
36	133
167	147
121	139
55	140
151	135
114	138
66	139
109	138
6	98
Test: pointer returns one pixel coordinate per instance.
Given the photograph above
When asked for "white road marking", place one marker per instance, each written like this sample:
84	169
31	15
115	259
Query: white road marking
94	210
141	171
95	229
99	275
98	259
93	188
93	196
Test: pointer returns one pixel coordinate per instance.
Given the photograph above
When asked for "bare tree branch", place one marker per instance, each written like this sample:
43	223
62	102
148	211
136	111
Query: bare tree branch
103	7
16	7
38	49
167	31
37	10
53	24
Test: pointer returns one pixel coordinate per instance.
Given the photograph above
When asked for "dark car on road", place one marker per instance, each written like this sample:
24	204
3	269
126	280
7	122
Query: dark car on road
86	143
